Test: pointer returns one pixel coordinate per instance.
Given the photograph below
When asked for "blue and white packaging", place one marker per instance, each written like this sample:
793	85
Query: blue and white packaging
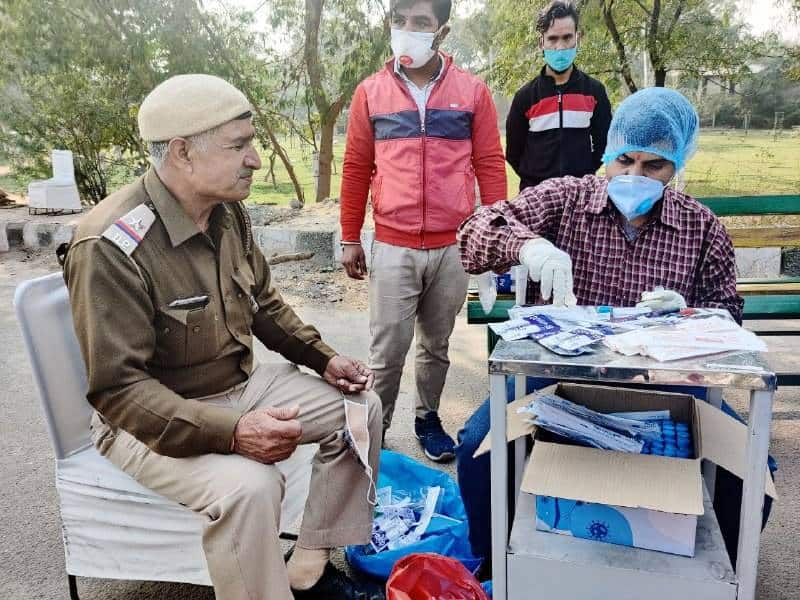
637	527
640	500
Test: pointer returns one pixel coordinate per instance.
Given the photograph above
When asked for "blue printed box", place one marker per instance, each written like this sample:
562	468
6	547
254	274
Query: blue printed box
638	527
639	500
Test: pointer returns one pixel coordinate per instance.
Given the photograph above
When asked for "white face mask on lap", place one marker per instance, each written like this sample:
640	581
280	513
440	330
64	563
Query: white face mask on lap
412	48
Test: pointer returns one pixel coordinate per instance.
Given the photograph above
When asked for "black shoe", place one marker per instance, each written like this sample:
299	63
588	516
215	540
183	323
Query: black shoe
438	446
335	585
485	571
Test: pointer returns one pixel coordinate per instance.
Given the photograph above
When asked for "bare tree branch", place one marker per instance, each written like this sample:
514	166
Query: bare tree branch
262	118
625	68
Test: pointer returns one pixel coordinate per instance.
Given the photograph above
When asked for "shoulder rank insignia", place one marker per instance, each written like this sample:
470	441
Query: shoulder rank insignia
127	232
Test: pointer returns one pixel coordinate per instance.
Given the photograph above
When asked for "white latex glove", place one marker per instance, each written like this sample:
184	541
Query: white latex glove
487	291
552	268
662	300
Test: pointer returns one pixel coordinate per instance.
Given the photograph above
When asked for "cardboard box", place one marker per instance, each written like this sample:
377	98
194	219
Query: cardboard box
638	500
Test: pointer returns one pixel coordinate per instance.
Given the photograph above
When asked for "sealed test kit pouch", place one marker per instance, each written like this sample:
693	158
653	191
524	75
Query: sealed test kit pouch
418	510
423	576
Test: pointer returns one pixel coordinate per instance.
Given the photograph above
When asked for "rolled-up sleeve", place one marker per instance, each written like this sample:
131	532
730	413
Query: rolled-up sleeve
491	238
113	315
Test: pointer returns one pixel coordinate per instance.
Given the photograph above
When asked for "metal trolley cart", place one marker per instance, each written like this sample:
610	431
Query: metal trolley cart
533	564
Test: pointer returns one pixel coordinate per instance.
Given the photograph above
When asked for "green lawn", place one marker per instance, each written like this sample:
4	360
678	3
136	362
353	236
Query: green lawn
725	164
733	164
263	190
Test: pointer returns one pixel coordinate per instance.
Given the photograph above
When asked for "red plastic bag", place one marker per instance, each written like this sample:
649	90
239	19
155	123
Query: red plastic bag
427	576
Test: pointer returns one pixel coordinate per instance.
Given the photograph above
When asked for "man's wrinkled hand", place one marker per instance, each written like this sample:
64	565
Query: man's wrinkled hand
268	435
354	261
348	375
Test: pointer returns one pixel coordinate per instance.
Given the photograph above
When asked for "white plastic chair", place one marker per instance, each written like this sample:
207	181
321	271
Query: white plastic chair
58	194
113	527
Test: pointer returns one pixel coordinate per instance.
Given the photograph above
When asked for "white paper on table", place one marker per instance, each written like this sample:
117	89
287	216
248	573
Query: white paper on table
694	337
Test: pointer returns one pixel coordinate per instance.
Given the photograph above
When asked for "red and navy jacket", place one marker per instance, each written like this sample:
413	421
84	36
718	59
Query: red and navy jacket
555	131
420	176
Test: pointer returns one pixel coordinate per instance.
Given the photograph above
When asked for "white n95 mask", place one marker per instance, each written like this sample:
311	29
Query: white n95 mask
412	48
357	437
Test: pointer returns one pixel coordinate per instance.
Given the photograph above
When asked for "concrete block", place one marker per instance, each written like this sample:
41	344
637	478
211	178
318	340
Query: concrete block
318	242
273	240
63	235
758	262
39	235
791	262
13	231
3	237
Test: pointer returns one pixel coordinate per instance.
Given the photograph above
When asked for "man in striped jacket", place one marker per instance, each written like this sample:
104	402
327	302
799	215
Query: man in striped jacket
421	132
558	122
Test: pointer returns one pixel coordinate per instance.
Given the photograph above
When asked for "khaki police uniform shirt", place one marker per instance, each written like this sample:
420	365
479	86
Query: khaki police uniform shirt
145	360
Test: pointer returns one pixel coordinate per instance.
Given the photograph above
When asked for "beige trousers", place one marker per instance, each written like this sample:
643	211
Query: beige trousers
241	498
413	291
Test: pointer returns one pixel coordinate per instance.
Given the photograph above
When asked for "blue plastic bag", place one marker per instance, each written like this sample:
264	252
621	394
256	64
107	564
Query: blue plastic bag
443	536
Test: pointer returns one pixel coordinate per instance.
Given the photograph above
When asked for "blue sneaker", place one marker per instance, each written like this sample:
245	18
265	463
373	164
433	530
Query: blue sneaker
438	446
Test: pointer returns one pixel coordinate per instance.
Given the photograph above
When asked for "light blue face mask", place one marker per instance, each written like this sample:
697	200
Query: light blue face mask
560	60
634	195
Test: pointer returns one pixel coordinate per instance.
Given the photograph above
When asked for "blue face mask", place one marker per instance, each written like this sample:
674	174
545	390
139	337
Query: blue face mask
634	195
560	60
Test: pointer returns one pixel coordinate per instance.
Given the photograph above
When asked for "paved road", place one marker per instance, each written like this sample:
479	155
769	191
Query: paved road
31	554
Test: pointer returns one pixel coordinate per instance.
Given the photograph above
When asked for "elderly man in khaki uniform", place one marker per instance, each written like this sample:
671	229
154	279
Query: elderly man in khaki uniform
167	291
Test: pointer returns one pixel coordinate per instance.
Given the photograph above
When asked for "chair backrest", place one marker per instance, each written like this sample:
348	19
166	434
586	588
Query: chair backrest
43	313
63	167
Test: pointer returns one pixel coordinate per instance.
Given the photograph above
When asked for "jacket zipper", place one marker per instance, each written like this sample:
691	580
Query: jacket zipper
424	207
560	136
423	136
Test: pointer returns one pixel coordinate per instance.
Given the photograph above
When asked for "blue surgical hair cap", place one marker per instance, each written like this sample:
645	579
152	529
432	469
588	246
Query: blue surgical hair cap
656	120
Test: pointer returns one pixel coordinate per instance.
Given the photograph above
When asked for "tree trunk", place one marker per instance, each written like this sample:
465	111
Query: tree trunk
660	77
261	118
327	112
625	67
327	131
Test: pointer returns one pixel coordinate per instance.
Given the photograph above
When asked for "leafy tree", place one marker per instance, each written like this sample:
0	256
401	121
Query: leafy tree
617	34
73	72
340	42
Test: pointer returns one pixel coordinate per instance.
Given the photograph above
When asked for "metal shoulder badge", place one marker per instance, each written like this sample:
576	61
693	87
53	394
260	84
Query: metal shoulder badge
127	232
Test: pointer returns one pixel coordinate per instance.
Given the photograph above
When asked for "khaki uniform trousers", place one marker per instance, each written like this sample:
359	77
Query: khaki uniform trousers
241	498
413	291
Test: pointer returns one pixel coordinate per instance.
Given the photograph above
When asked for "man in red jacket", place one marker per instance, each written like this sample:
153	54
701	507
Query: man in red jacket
420	132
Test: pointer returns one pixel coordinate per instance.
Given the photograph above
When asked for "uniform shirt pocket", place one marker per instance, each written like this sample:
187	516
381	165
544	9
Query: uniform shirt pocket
185	337
201	335
171	337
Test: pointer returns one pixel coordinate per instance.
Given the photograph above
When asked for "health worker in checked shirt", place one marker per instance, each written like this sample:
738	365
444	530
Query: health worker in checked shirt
613	240
625	239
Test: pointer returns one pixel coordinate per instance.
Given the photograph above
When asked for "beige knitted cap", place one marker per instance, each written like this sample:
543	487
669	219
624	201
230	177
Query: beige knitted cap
185	105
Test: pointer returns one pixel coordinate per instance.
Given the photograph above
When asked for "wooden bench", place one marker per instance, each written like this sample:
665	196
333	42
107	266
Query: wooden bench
769	299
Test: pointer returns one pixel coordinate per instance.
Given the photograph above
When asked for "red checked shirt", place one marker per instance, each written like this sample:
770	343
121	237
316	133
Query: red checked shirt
682	247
